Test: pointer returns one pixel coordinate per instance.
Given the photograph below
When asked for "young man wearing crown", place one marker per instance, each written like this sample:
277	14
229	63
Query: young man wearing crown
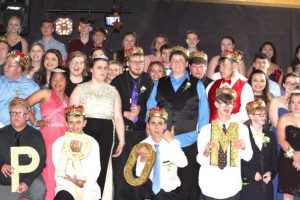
257	174
184	98
76	159
19	134
134	87
198	66
229	69
221	146
163	181
14	84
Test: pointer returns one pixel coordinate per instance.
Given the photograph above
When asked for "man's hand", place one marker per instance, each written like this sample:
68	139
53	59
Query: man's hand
78	182
169	135
209	147
76	146
22	188
143	153
7	170
240	144
267	177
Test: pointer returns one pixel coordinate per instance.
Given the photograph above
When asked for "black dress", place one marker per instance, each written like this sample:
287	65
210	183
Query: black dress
288	176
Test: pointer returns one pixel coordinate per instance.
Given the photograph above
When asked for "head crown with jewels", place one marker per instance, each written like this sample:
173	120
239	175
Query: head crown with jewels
133	51
182	50
257	104
19	101
234	55
74	111
158	112
21	58
226	90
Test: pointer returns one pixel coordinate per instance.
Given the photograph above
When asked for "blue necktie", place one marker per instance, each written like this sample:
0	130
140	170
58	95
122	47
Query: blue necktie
156	171
134	97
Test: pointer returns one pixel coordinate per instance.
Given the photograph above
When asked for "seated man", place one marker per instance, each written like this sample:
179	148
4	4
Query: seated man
221	146
18	133
76	159
164	182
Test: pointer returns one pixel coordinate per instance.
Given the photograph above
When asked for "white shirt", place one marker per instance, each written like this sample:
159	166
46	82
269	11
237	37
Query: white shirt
246	96
213	181
90	166
171	157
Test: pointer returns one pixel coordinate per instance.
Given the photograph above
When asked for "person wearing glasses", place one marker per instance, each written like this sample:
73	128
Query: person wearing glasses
14	83
134	87
18	133
258	173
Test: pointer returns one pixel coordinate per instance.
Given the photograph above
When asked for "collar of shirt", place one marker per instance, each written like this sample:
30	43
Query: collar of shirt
176	83
227	123
19	80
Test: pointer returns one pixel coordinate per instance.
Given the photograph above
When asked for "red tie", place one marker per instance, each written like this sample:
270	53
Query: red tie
226	81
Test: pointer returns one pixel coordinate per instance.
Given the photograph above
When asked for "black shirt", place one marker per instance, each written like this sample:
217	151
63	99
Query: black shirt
71	86
29	136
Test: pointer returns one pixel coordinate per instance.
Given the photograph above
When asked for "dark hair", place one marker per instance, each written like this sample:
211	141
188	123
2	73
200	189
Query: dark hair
224	97
165	46
191	31
41	75
295	64
99	29
65	74
266	94
129	33
289	75
178	52
98	59
98	48
229	38
48	21
295	59
85	20
274	57
197	60
154	41
260	55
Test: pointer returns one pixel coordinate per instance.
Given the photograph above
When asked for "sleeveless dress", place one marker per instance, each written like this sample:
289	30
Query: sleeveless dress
99	106
53	115
288	176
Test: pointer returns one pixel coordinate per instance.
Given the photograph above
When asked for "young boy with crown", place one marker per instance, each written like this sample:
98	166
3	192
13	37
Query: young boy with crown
257	174
76	159
221	146
164	181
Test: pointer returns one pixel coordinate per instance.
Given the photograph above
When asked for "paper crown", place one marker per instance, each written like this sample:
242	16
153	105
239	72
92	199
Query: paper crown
133	51
19	101
181	49
4	39
158	112
256	104
199	54
74	111
20	58
226	90
234	55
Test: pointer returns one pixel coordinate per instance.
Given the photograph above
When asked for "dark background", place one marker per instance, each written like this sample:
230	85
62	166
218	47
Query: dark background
249	25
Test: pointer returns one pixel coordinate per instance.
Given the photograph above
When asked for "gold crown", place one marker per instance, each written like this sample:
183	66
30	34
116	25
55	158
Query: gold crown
256	104
133	51
234	55
4	39
182	49
74	111
226	90
20	58
19	101
199	54
158	112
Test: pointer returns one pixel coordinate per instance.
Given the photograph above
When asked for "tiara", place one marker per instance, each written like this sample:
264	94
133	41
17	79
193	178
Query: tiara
253	105
226	90
19	101
58	70
158	112
199	54
74	111
133	51
181	49
104	57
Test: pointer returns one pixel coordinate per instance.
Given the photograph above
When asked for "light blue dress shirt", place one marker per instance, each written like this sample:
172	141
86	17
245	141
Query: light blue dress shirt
188	138
54	44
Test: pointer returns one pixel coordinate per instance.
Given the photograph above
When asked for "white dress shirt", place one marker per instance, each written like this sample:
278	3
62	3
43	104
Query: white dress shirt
246	96
213	181
171	157
89	165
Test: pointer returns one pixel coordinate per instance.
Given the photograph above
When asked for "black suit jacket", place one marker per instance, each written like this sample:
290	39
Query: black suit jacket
262	162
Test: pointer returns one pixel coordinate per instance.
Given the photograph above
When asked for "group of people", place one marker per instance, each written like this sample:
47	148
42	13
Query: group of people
213	133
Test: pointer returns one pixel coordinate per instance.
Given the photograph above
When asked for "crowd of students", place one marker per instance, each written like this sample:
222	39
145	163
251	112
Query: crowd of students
216	128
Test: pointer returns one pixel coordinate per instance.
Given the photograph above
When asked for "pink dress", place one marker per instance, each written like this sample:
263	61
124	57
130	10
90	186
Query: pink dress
53	116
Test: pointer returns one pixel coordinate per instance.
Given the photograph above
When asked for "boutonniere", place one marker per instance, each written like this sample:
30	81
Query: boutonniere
187	86
169	166
266	140
142	89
